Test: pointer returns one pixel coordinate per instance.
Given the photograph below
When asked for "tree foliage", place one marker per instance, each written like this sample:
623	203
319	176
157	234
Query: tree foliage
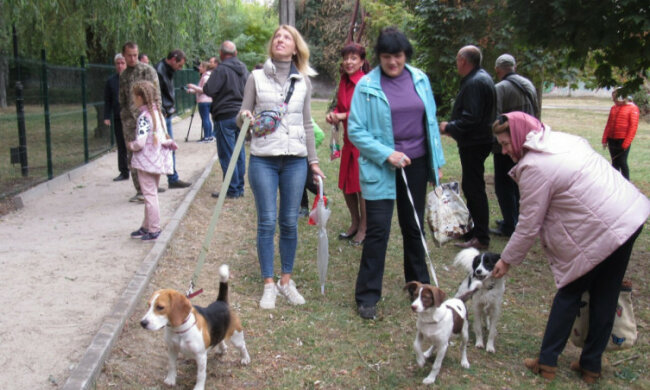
612	33
444	26
97	29
324	25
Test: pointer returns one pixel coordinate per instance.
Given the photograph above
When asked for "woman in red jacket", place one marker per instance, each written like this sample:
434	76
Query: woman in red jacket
620	131
354	66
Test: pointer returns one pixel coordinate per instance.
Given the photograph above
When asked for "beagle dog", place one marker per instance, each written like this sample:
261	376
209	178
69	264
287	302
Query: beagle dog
194	330
438	319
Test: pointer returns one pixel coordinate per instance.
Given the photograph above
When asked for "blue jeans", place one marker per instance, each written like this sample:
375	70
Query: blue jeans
226	133
173	177
204	111
266	175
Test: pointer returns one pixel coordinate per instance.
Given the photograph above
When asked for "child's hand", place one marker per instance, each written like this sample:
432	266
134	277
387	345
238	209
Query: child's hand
172	145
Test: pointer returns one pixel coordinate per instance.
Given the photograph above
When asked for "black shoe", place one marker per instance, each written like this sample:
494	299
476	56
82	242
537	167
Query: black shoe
139	233
161	190
150	236
500	232
179	184
345	236
216	195
122	176
367	312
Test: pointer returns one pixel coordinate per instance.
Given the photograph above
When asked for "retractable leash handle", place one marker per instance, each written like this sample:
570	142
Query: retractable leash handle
217	209
417	220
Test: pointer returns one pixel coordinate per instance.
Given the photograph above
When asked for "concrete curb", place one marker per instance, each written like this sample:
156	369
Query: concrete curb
86	371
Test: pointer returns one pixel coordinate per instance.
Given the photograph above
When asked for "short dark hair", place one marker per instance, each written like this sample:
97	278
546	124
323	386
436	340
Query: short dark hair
129	45
392	41
178	54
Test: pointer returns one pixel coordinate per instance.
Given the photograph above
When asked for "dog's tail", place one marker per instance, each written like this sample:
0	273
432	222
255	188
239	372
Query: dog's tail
224	274
465	258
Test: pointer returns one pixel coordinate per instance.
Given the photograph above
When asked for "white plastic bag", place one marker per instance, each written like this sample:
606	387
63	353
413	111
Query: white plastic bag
448	216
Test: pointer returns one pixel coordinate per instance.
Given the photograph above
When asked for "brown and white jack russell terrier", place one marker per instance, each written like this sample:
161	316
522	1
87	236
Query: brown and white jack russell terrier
438	319
194	330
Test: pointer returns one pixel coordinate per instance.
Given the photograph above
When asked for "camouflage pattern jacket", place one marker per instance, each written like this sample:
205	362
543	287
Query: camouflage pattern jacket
128	111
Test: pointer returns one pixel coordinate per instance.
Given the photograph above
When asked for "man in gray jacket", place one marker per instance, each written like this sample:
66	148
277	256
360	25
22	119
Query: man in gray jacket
514	93
226	88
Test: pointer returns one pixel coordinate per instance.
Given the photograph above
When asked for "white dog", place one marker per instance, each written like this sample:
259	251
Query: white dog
488	296
438	320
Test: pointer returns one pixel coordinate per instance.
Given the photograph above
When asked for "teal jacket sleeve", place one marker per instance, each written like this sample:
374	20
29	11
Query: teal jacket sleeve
365	125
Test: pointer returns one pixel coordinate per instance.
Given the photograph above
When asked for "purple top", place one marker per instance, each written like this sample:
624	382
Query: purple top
407	113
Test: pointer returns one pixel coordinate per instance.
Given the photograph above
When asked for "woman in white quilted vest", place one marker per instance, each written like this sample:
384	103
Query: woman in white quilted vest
277	156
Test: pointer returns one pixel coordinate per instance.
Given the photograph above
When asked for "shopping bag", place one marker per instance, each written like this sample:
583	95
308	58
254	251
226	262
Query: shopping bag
624	332
447	214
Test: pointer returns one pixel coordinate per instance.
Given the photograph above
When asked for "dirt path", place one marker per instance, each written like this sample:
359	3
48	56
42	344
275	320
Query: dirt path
66	257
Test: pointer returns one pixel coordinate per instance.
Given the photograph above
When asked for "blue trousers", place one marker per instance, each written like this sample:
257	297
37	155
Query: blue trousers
266	176
226	133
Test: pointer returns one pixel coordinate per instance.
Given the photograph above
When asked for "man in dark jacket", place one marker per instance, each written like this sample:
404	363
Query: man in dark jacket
226	88
112	113
165	69
471	127
514	93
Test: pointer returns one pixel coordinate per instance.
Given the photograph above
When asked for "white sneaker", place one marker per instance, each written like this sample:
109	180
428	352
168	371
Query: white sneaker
268	298
291	293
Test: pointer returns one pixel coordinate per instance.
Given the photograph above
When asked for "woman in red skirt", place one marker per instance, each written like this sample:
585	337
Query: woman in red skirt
354	66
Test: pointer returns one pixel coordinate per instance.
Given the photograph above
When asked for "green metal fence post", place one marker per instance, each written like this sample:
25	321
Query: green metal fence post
82	62
46	111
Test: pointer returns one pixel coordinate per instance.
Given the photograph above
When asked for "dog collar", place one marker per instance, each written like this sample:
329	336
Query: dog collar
185	322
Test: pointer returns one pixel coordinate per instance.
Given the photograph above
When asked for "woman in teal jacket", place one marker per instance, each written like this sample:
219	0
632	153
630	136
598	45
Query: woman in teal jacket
393	124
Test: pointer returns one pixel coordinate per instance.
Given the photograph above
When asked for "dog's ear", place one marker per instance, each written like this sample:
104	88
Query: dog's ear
179	309
412	287
492	258
439	296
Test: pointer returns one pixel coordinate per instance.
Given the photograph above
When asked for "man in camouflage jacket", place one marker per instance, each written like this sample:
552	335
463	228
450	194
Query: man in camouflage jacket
135	71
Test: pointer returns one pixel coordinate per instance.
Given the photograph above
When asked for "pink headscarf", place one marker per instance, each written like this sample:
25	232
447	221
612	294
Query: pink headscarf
520	125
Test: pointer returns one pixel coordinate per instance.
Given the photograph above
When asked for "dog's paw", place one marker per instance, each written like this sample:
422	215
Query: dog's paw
428	353
170	380
490	348
245	360
465	363
479	344
429	380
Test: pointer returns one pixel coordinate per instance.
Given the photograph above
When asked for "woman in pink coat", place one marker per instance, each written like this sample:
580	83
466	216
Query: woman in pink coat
587	217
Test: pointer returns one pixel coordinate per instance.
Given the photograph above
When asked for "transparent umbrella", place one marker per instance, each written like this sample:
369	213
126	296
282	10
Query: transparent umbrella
321	217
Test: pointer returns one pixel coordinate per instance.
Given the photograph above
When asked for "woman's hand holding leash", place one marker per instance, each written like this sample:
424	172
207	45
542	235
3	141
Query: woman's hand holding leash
399	159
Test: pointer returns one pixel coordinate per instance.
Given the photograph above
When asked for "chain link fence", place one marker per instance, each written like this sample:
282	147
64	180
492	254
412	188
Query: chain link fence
53	119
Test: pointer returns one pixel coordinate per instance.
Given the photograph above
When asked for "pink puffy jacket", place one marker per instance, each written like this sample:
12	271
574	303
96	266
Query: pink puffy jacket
579	206
149	156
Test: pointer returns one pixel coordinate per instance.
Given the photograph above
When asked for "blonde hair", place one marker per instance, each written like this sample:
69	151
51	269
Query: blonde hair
301	58
147	92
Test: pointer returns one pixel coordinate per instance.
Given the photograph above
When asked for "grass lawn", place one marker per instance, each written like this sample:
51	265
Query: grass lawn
325	345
